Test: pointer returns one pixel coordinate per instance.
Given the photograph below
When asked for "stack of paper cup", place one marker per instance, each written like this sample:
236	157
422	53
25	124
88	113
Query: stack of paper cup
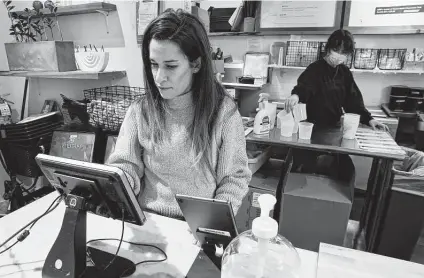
350	125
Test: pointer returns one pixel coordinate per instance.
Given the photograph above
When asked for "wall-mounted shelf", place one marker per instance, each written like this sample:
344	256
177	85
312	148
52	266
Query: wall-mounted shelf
78	9
67	74
358	70
219	34
242	86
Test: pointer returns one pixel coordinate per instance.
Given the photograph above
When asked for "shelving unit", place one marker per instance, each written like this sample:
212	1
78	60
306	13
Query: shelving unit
358	70
226	34
67	74
78	9
241	86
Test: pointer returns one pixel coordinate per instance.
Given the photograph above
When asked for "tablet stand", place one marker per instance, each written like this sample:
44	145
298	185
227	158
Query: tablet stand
67	258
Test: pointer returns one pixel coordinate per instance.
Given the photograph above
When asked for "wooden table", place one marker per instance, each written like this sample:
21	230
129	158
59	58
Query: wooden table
185	259
380	180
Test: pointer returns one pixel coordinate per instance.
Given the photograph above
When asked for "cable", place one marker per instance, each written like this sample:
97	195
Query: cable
117	250
120	242
136	244
25	234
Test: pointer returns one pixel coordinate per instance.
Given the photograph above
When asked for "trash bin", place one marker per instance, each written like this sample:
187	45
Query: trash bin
404	219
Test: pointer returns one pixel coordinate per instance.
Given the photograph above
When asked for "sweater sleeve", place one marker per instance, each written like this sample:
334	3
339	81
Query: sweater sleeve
305	87
128	152
355	104
233	173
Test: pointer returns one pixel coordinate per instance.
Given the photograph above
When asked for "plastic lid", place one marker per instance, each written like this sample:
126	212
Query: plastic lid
265	226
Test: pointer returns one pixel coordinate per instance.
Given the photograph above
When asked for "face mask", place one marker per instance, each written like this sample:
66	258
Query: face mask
336	58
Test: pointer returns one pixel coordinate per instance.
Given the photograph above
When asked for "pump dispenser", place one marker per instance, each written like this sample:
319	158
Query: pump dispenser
261	252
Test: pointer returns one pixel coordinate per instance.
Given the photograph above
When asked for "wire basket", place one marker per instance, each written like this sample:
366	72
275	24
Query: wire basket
365	58
322	53
391	59
302	53
107	106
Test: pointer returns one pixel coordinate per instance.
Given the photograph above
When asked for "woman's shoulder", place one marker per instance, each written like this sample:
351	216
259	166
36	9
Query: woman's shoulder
228	110
137	105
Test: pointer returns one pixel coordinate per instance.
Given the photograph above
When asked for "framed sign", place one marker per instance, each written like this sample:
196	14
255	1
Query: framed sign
303	17
384	16
146	11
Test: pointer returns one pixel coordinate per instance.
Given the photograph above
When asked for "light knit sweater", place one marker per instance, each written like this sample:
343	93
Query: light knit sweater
157	174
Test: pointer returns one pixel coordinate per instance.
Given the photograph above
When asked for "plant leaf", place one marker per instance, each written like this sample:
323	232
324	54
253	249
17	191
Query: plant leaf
8	3
10	8
55	9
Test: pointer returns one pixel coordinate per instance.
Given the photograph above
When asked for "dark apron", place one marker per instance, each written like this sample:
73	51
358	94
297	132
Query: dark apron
323	163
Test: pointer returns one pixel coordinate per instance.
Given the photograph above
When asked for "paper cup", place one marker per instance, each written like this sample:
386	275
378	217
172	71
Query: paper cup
305	130
350	125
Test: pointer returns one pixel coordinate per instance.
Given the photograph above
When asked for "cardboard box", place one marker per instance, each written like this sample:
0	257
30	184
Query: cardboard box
202	15
315	209
264	181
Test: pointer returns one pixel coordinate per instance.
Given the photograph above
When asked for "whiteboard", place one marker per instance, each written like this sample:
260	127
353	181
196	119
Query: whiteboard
378	13
298	14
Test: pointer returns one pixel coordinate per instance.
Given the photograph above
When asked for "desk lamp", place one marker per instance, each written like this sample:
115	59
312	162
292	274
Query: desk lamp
87	187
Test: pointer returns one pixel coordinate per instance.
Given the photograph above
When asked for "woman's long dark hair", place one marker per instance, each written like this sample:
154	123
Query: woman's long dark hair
189	33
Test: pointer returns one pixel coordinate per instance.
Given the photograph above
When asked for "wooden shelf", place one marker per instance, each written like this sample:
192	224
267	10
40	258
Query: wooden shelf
358	70
67	74
77	9
242	86
218	34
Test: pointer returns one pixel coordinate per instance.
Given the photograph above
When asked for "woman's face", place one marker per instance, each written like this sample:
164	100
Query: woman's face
171	69
337	58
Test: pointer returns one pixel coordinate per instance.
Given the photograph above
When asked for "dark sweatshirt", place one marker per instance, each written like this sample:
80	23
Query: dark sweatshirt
326	91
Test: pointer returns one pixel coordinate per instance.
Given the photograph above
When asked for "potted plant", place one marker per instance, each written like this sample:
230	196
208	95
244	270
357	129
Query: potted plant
249	13
32	50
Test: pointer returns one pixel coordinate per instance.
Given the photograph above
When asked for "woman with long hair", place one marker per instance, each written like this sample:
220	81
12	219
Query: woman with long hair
185	136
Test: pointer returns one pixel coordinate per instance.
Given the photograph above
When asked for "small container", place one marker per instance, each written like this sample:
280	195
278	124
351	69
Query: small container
416	92
350	125
287	123
398	95
414	104
305	130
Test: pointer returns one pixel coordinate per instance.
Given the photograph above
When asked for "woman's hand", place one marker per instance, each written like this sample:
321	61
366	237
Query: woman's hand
377	125
291	102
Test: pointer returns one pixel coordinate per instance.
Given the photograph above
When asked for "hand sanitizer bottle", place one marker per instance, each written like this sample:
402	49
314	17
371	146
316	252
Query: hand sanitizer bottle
261	252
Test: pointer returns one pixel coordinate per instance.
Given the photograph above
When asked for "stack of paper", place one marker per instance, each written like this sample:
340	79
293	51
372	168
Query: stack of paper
377	141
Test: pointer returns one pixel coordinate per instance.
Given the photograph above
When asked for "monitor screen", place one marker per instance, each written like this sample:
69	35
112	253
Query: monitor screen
105	188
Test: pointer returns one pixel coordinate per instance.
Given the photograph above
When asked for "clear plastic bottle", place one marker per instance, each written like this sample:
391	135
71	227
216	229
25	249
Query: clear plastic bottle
261	252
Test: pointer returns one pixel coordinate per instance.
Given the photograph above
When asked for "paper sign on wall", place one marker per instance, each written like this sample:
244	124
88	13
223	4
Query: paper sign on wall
147	10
